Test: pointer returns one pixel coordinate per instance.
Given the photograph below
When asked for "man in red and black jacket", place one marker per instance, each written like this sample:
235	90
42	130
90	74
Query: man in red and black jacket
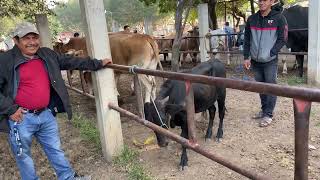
32	91
265	34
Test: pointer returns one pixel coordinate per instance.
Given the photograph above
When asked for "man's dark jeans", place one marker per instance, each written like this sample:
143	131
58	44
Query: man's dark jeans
266	72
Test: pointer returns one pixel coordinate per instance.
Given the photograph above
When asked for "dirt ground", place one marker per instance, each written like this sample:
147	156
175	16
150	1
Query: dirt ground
269	151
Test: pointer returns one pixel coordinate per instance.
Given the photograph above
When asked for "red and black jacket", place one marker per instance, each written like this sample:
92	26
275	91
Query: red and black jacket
265	36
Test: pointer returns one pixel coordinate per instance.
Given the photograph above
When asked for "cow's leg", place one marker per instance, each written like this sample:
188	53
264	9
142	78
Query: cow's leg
184	55
165	55
285	68
88	80
300	64
116	78
194	57
221	106
212	112
184	157
150	86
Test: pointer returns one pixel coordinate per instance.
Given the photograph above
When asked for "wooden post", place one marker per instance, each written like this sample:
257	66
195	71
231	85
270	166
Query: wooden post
314	43
103	81
203	30
43	28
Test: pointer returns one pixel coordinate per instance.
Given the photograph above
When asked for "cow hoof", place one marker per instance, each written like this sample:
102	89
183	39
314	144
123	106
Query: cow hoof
183	168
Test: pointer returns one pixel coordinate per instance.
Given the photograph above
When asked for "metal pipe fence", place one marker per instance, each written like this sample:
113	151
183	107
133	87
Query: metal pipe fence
302	98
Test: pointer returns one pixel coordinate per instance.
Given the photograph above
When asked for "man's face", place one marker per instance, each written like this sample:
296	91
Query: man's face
28	44
265	4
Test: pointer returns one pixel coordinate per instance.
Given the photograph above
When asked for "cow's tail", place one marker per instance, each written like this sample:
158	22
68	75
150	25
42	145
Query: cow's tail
155	48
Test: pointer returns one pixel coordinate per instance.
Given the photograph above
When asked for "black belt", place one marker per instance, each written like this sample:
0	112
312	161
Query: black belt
35	111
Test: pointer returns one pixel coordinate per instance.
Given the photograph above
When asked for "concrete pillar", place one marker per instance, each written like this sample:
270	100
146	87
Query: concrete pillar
203	30
43	27
314	43
103	81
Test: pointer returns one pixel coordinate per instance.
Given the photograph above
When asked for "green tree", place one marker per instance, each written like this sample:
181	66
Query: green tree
7	24
131	12
27	8
13	12
69	15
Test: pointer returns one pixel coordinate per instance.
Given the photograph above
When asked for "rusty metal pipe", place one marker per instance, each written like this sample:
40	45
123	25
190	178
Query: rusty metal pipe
307	94
238	52
234	52
79	91
194	147
234	34
190	112
301	122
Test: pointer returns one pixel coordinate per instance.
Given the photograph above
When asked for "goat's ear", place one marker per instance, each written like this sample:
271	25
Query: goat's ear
173	109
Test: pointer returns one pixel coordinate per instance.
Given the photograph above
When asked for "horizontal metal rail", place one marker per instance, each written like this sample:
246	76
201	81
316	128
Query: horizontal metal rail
194	147
307	94
79	91
233	34
239	52
234	52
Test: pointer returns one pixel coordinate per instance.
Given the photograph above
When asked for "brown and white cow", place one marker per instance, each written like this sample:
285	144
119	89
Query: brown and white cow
127	49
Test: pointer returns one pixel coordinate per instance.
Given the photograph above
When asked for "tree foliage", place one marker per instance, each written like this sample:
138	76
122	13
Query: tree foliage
130	12
13	12
69	16
27	8
8	24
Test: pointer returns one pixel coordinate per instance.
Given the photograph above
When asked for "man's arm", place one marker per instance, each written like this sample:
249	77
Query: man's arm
69	62
282	36
247	40
7	106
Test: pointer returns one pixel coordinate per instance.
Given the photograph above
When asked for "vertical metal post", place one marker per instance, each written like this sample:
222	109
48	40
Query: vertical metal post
138	92
301	120
190	112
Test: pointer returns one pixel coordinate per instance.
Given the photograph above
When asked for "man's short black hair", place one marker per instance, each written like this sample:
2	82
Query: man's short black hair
76	34
227	23
125	27
17	38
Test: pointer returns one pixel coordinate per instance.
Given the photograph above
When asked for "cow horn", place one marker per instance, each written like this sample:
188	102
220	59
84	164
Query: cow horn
164	100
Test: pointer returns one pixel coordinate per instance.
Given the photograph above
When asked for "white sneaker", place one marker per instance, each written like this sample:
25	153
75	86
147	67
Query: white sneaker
265	121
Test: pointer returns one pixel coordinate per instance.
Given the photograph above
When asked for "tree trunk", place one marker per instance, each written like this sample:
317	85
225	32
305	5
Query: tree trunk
212	14
252	7
179	31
